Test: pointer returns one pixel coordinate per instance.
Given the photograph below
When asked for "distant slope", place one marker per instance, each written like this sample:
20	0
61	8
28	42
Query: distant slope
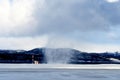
58	55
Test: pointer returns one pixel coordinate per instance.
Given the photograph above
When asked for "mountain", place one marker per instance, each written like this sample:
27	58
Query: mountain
58	55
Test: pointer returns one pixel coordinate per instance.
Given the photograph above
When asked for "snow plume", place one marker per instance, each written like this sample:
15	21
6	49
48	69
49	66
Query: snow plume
58	56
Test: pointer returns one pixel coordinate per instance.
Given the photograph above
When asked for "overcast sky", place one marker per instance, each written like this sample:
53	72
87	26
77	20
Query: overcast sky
87	25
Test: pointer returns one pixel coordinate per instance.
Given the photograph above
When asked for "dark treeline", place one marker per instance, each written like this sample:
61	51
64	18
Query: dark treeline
15	56
38	56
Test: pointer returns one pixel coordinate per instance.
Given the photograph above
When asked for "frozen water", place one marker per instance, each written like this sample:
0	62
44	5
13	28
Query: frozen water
61	75
59	72
37	67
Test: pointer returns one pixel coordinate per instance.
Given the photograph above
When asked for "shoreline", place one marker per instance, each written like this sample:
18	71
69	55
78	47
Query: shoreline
50	67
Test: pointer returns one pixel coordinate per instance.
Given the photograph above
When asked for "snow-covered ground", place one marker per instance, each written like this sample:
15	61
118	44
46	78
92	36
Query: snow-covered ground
39	67
59	72
71	74
54	67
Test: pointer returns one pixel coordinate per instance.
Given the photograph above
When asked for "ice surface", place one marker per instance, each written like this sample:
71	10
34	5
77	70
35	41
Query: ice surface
57	66
59	72
61	75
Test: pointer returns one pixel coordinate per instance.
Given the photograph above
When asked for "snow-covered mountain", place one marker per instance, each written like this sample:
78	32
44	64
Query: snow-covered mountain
58	56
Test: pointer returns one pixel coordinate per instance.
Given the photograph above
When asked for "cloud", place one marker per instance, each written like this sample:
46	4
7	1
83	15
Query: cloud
82	45
16	17
74	22
112	1
68	23
25	43
62	16
34	18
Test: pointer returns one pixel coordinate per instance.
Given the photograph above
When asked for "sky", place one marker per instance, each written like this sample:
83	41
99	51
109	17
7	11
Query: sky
86	25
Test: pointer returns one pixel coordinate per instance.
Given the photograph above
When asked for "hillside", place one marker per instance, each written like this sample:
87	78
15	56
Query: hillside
58	56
